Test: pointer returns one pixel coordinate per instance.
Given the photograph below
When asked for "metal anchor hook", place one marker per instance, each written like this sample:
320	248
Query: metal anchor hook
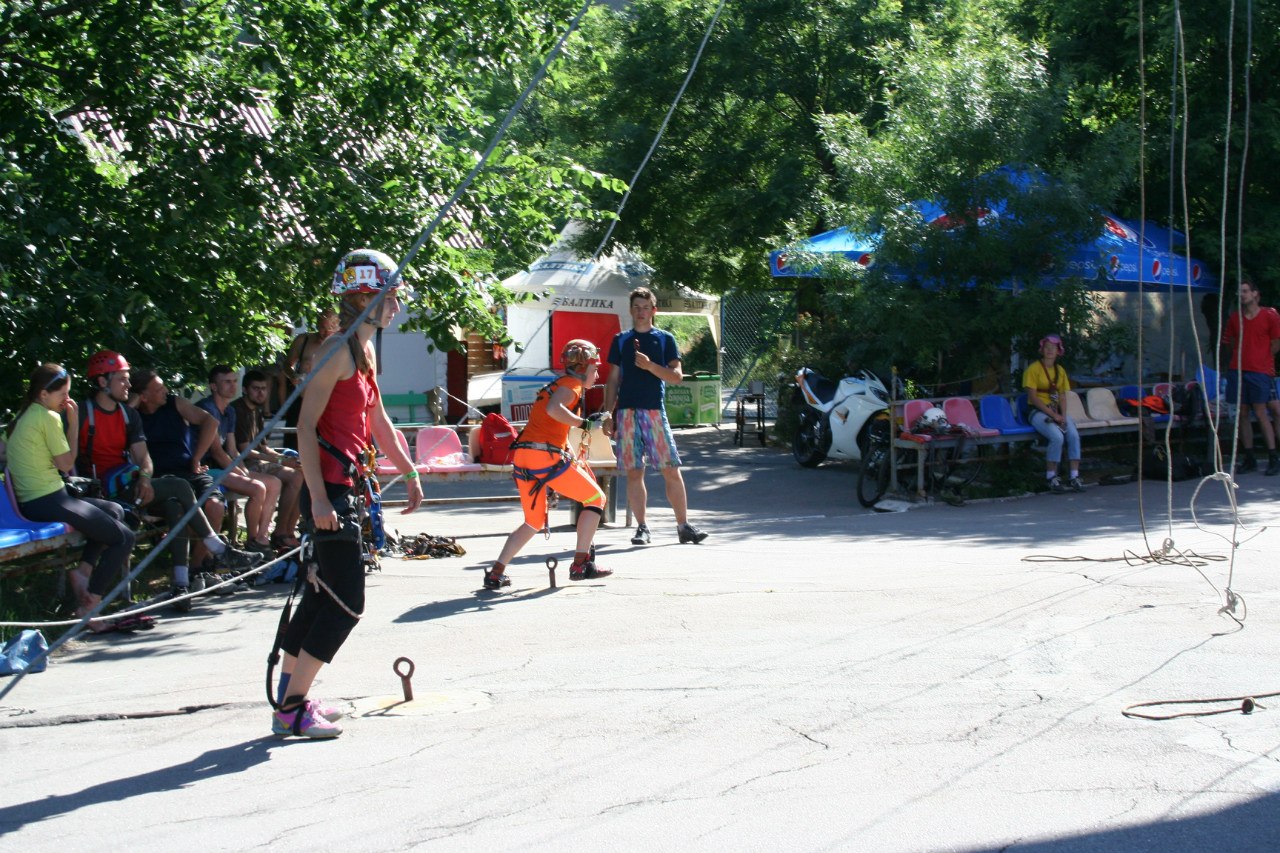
552	562
405	677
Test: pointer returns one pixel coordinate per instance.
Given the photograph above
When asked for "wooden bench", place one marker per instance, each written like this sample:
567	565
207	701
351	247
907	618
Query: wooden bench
605	469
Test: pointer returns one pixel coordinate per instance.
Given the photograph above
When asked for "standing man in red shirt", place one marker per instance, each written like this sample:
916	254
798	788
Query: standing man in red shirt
1251	340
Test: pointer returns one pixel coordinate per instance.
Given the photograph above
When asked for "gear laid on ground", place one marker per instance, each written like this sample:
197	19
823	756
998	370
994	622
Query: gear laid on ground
424	546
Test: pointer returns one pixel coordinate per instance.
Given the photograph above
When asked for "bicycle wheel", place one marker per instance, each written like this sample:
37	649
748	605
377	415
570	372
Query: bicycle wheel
873	476
953	464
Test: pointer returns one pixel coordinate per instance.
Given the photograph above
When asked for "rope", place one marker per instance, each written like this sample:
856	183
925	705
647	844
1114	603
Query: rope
374	305
1247	706
156	605
617	214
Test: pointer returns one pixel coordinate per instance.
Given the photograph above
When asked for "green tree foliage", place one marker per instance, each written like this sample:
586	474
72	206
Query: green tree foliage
1200	114
742	166
229	153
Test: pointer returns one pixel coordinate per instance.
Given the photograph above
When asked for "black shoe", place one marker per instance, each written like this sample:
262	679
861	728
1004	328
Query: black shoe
184	605
1273	467
689	533
586	571
642	535
1246	465
491	582
234	558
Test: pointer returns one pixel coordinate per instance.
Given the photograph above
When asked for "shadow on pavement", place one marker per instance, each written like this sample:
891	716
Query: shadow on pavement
215	762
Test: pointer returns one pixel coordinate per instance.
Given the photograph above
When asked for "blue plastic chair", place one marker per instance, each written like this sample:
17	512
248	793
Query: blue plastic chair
995	413
15	530
1020	405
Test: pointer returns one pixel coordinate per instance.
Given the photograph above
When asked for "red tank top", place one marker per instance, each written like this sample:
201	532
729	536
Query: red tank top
345	424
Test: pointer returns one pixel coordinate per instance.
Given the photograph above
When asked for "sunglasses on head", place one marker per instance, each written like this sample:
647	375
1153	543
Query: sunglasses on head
56	380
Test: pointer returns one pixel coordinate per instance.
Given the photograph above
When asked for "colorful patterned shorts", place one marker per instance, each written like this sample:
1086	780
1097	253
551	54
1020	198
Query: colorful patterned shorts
645	434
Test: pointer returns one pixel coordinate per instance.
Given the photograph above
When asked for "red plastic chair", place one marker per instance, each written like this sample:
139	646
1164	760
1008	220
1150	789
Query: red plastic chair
960	412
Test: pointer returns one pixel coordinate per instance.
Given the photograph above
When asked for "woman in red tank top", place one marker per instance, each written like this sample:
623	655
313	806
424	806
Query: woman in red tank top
341	412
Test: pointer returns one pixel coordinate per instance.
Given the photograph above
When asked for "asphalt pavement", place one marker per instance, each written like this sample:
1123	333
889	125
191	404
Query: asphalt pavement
815	676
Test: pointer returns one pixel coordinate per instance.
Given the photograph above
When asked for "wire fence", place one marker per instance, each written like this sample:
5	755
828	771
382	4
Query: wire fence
754	325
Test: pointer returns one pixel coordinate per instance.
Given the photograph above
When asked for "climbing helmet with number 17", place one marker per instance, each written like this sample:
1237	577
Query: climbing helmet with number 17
366	271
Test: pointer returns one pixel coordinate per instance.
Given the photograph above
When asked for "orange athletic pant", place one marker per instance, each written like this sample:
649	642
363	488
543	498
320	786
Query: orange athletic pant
572	483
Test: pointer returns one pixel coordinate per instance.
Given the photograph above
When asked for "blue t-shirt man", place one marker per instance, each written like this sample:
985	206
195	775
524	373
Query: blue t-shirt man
644	360
640	389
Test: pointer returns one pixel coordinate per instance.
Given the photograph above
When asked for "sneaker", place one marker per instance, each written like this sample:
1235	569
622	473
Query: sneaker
330	713
586	571
689	533
263	548
183	606
303	721
1273	467
1055	486
234	558
642	535
490	582
1246	465
212	580
1076	484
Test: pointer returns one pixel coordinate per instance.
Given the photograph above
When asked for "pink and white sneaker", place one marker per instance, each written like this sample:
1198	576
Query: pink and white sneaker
303	721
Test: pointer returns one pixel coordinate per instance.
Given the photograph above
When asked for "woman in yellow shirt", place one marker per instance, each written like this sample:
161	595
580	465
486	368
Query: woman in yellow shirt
1046	384
39	454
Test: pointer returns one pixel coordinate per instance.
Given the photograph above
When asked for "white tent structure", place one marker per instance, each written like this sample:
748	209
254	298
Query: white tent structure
578	298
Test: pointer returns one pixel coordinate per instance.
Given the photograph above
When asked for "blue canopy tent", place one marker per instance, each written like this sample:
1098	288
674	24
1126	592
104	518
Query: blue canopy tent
1122	257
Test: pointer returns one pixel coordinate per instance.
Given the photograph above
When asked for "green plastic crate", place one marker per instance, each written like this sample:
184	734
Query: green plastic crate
695	401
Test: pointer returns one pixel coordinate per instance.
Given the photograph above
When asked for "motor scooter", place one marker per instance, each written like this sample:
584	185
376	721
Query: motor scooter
836	417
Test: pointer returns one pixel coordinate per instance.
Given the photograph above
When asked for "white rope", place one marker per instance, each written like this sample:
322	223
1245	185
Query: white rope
374	305
653	146
156	603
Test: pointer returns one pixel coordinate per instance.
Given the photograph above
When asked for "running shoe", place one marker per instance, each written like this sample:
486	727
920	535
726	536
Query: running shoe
1076	484
234	558
183	605
491	582
303	721
642	535
587	570
1056	486
689	533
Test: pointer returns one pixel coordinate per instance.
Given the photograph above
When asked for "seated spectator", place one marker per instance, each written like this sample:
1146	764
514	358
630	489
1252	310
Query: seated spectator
168	422
111	439
251	415
262	490
297	364
1046	384
39	453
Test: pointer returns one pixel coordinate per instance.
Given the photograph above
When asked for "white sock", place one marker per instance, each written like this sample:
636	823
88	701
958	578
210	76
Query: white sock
1075	473
181	577
215	545
1049	475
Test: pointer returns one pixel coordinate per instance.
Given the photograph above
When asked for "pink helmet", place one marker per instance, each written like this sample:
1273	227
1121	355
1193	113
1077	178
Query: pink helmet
1053	339
105	361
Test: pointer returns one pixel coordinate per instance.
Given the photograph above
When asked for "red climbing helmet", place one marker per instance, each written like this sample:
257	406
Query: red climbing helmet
105	361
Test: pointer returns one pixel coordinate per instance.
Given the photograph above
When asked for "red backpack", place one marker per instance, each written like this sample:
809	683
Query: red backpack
496	436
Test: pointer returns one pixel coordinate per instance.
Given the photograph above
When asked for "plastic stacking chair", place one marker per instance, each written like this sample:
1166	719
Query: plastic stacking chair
959	412
996	413
1076	411
1102	407
441	449
384	466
